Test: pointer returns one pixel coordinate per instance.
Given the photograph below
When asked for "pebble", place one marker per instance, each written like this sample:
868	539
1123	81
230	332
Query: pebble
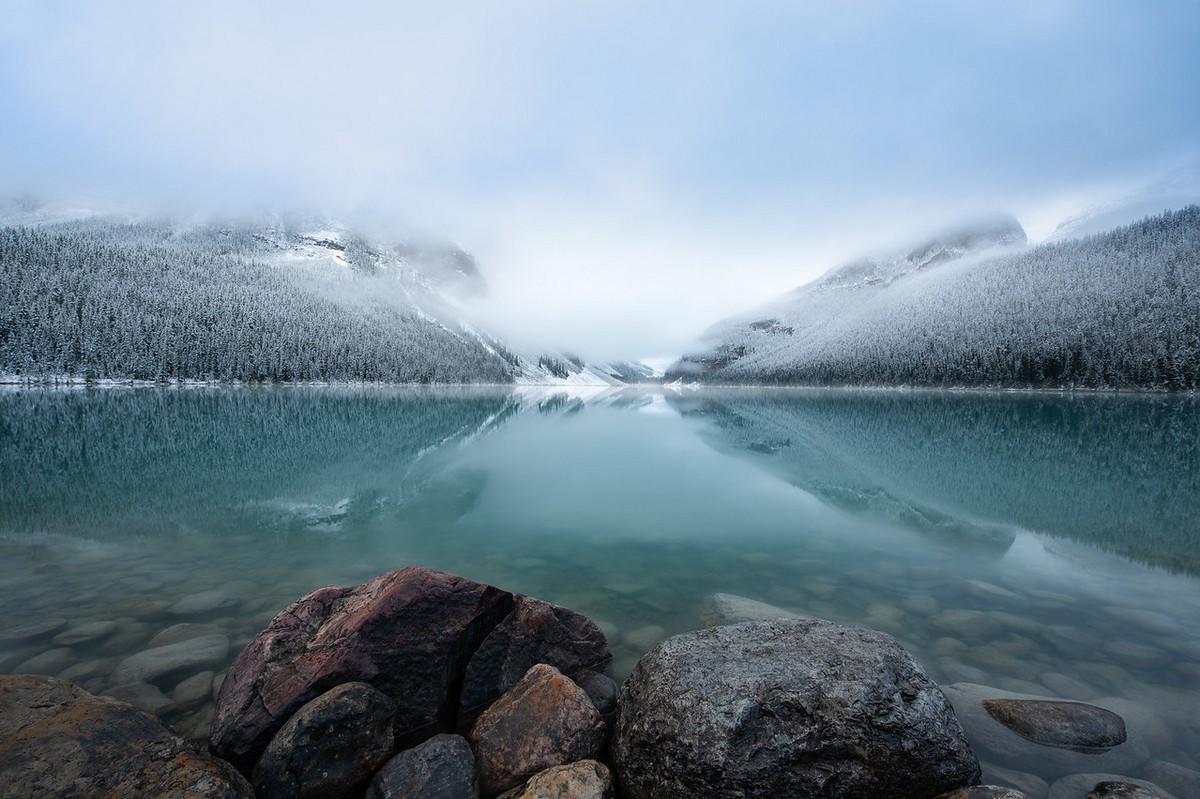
990	592
152	664
32	631
142	695
184	631
96	667
967	625
50	662
1067	687
193	691
645	638
201	603
921	604
84	633
1136	656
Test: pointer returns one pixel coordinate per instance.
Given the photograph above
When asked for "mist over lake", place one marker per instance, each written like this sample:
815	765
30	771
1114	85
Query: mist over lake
1041	543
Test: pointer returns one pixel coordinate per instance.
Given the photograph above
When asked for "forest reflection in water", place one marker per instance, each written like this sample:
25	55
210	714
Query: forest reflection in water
1041	543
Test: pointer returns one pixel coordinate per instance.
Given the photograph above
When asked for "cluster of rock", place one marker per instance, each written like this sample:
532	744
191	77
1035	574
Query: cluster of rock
424	684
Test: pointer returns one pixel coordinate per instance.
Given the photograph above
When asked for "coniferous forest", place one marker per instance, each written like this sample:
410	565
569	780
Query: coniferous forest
1117	310
100	299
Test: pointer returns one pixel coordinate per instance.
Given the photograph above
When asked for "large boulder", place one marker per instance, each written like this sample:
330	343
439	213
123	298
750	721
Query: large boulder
412	634
1045	735
544	720
789	707
441	768
534	632
58	740
329	748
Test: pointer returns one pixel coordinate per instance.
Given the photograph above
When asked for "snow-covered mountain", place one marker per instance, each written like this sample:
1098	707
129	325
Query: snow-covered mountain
977	307
1176	189
117	295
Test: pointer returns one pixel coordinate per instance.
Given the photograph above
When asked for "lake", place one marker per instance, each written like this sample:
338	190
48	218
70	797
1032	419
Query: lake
1039	543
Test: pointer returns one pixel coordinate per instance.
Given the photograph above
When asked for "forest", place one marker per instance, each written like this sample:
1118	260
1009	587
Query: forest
103	299
1116	310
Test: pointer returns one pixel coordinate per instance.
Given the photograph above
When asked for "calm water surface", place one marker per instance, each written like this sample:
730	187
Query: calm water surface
1044	544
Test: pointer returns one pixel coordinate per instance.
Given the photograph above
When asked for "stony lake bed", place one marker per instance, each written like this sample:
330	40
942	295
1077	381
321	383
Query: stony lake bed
1039	544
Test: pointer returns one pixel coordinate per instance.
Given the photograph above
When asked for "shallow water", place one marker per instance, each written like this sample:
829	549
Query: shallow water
1043	544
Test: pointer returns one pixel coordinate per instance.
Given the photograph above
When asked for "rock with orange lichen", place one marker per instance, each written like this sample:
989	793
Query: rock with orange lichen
544	720
56	739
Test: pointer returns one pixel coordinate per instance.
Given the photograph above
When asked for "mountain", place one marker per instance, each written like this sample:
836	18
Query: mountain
97	295
1176	189
975	307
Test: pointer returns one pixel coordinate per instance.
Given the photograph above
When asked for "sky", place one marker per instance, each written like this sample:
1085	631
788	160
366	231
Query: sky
626	173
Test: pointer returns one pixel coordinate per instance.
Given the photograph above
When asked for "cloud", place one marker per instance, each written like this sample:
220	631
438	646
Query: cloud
678	159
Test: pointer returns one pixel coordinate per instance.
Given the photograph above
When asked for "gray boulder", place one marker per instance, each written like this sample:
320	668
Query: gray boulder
441	768
330	747
789	707
1059	753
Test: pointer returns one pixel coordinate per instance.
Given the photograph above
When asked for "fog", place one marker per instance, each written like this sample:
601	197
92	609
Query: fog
625	175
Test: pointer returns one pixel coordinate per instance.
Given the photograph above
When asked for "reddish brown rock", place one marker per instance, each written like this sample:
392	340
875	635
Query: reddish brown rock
411	634
58	740
535	632
544	720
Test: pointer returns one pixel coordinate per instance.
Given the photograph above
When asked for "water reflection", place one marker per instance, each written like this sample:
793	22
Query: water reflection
991	534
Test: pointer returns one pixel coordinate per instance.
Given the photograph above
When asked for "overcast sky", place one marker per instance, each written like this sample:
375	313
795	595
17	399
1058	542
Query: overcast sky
626	172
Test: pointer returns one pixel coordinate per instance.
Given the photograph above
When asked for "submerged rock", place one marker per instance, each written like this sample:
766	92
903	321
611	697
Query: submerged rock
1037	715
720	609
1105	786
58	740
1077	726
985	792
797	708
172	660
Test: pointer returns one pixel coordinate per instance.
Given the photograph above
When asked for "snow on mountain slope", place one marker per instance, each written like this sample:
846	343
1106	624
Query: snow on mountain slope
1115	310
1176	189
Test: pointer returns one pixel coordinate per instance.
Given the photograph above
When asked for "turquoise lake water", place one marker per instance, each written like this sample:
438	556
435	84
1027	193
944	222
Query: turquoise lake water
1041	543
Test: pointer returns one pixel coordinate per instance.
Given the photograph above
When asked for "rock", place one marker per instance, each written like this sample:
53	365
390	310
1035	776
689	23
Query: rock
84	633
1142	718
441	768
172	660
1183	782
719	609
330	747
1121	789
643	639
584	779
193	691
534	632
1030	784
999	744
58	740
31	631
967	625
1075	786
601	689
984	792
789	707
49	662
184	631
202	603
142	695
544	720
415	634
1077	726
